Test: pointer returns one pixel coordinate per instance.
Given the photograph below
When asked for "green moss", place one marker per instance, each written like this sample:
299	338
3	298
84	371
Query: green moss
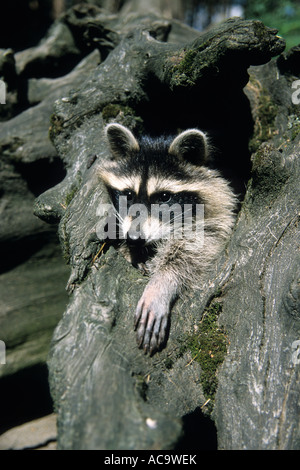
264	127
71	195
187	63
111	111
56	126
295	132
65	243
294	125
183	67
73	189
168	363
209	347
141	386
260	30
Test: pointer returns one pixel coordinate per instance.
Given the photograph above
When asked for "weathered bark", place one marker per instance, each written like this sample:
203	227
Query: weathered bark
257	401
33	273
108	394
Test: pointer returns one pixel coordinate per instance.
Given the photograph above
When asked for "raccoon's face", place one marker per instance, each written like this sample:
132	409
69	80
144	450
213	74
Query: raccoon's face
153	184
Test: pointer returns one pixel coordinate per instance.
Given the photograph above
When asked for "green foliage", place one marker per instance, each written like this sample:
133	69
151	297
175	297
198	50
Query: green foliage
282	15
256	8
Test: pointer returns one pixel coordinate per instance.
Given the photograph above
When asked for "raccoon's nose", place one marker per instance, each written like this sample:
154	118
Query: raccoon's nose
134	239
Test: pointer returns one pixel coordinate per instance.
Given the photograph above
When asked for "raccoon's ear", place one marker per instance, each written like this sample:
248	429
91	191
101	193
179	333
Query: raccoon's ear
190	145
121	140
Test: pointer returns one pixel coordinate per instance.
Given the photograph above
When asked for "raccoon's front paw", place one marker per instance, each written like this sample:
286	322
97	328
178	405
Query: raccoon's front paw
151	320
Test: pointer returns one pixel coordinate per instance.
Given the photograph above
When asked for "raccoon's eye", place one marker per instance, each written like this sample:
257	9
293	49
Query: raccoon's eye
129	194
165	196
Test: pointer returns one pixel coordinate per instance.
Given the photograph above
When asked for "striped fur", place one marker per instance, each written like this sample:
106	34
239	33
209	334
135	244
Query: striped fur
168	171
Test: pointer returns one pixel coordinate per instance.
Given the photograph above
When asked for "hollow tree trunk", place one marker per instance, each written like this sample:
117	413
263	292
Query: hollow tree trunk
108	394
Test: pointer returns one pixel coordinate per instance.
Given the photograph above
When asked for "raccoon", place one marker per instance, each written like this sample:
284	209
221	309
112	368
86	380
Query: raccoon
166	172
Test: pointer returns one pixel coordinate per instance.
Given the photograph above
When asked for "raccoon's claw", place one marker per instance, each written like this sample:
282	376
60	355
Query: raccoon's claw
151	322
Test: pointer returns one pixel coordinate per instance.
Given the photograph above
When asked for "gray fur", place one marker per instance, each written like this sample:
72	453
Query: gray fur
178	263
